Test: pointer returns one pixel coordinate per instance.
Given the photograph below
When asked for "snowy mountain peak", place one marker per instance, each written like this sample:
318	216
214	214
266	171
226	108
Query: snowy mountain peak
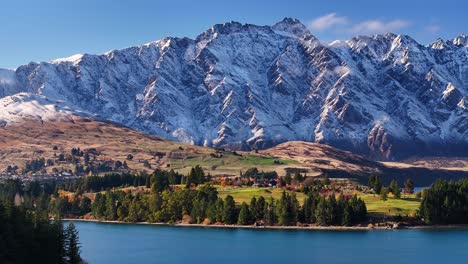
404	40
439	44
461	40
292	26
244	86
227	28
29	107
73	59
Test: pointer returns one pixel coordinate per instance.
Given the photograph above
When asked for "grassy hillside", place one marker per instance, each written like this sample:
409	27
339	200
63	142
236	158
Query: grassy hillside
26	141
245	194
407	205
229	163
31	140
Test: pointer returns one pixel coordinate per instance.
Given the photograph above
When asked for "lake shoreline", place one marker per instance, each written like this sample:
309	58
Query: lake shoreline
316	228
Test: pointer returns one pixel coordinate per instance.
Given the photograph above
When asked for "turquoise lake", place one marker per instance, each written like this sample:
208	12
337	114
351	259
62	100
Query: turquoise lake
124	243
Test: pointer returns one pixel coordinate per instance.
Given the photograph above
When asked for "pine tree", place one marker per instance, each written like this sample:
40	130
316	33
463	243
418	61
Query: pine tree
160	181
133	212
85	205
295	210
347	215
409	186
340	208
321	212
111	207
332	216
384	194
362	211
215	210
174	178
196	176
309	209
288	178
99	205
253	207
270	216
445	203
230	215
155	202
219	210
395	189
199	207
285	210
72	245
244	215
148	183
377	185
260	208
60	239
298	177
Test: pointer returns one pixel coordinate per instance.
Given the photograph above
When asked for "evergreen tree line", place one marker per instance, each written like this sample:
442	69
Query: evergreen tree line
45	195
63	206
34	165
445	203
195	177
375	183
256	174
28	190
113	180
108	181
34	189
298	177
161	178
203	204
29	237
343	211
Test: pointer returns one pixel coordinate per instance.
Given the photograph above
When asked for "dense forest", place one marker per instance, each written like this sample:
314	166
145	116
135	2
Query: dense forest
195	202
170	197
30	237
202	205
445	203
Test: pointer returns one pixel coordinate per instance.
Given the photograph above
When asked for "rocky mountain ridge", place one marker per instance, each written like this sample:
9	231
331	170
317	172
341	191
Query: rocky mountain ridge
244	86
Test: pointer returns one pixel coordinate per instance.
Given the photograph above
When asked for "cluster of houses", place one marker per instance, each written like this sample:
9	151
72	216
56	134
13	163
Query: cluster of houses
62	176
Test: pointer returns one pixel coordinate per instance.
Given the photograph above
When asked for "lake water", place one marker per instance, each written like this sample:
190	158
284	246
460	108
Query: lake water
122	243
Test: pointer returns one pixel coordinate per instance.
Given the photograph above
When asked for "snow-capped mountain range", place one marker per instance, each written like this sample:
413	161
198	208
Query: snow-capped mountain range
245	86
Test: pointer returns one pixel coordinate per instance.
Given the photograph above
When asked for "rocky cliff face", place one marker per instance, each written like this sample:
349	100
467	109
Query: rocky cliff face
248	86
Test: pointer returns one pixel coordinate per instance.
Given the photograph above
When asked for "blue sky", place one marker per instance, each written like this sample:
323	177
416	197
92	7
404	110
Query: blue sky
47	29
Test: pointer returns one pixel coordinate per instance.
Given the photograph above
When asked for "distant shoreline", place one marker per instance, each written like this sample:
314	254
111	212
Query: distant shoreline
316	228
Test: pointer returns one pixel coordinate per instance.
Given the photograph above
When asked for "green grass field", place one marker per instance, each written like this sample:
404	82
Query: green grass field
241	195
264	160
229	163
407	205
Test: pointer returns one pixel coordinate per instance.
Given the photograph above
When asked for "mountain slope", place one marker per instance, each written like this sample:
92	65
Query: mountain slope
35	127
108	142
247	86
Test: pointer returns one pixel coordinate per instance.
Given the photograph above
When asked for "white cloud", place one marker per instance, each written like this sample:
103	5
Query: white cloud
328	21
378	26
343	25
432	29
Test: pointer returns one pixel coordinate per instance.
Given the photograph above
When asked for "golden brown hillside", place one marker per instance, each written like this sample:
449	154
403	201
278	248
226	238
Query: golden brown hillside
32	139
28	140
